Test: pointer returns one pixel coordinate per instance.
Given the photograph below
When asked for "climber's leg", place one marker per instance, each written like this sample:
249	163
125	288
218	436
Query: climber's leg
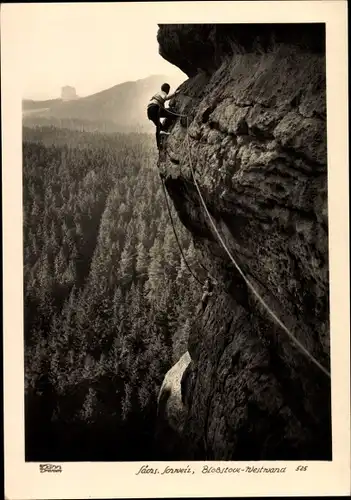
153	114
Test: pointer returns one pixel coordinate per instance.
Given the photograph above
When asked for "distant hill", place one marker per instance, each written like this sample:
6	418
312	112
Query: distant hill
29	104
121	108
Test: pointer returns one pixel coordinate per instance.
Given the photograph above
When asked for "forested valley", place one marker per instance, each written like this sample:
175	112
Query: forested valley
108	300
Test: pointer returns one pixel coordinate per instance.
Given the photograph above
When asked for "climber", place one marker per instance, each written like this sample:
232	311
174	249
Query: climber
156	110
207	291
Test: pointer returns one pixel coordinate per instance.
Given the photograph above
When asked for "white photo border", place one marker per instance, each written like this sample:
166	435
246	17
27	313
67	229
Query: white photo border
118	480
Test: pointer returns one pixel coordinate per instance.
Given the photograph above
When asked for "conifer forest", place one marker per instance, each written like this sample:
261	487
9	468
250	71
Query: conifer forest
108	299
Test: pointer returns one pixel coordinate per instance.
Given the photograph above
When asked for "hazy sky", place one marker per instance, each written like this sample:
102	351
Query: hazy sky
89	46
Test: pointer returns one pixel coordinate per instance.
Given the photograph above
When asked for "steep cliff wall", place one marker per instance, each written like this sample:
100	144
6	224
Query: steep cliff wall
256	106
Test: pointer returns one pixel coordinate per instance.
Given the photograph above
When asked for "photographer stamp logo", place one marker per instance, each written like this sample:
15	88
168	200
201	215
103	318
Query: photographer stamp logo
49	468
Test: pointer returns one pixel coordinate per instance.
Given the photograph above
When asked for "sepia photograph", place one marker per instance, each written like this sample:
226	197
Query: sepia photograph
175	241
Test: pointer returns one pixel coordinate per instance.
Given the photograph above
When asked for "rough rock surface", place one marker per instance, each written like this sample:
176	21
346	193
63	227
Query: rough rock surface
256	140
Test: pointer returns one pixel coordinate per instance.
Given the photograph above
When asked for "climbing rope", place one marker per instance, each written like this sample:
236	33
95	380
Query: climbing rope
173	112
182	116
175	233
249	284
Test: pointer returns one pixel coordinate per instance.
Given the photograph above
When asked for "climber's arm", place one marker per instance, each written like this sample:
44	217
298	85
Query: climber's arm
169	97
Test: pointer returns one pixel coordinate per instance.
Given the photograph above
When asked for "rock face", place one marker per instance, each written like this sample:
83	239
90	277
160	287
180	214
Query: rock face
256	106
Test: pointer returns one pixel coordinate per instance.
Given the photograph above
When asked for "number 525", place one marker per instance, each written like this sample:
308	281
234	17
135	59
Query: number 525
301	468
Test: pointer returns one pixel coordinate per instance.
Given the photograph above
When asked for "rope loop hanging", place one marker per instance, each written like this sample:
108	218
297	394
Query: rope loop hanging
175	233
